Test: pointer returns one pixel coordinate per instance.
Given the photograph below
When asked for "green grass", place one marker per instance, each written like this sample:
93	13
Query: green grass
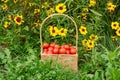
95	66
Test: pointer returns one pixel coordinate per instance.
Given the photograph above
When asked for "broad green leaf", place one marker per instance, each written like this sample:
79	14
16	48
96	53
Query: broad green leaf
26	28
95	12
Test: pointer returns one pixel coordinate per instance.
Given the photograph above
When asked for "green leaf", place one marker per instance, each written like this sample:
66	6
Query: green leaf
95	12
8	56
2	55
26	28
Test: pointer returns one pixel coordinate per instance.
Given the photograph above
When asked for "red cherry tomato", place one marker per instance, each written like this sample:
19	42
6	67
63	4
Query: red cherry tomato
52	45
73	51
55	50
62	51
67	47
67	51
49	52
45	45
57	46
62	46
50	49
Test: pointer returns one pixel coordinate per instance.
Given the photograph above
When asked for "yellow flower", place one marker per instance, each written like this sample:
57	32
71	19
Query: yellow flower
115	25
50	27
36	24
51	10
24	2
31	4
83	30
61	8
92	3
45	5
4	6
110	7
36	11
85	9
90	44
54	31
84	42
5	1
6	24
10	17
88	48
62	32
84	17
15	1
114	38
118	32
93	37
18	19
109	4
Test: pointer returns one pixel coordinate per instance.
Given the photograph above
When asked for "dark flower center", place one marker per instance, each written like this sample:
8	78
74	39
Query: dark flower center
18	19
90	43
61	8
8	24
88	48
83	30
85	41
115	25
53	31
109	6
119	31
62	31
93	37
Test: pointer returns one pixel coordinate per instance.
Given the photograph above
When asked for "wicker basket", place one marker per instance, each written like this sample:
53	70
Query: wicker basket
67	60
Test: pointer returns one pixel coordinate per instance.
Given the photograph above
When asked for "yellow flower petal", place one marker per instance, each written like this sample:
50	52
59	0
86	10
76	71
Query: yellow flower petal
118	32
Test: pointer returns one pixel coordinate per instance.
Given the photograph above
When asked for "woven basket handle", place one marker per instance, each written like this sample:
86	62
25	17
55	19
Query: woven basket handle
57	14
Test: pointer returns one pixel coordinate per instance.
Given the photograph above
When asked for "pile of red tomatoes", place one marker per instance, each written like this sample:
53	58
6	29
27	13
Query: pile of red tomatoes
54	48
